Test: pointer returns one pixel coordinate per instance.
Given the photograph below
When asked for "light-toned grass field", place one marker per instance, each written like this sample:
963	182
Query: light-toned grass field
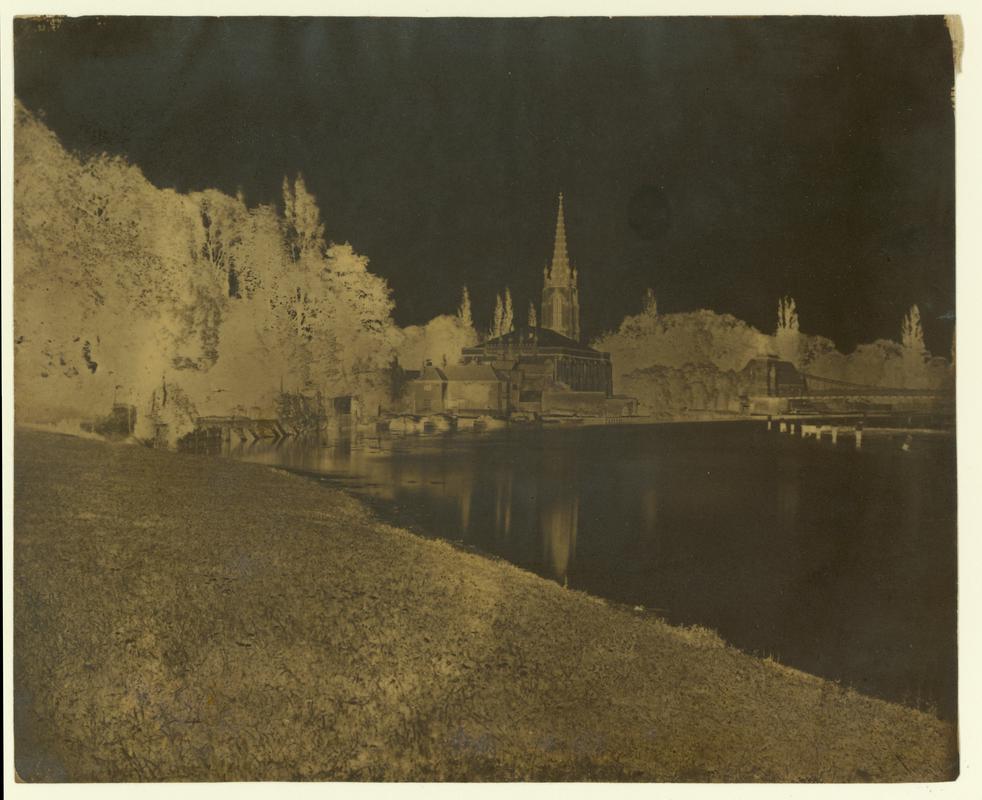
181	617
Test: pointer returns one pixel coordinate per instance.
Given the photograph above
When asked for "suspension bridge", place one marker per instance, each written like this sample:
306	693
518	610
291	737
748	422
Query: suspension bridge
781	392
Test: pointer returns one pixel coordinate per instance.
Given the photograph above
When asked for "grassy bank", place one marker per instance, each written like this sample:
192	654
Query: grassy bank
185	618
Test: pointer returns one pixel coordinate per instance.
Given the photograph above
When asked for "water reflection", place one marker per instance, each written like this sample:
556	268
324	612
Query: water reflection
503	502
558	514
649	510
558	522
788	490
399	470
839	562
464	503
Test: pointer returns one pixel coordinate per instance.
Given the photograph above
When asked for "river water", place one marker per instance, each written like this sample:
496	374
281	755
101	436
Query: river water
836	561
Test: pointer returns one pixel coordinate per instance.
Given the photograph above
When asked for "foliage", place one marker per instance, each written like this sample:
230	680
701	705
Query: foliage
398	380
673	340
439	341
170	415
684	341
691	390
119	283
300	412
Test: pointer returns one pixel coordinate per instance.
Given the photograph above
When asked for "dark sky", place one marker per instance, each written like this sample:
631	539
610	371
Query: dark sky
722	162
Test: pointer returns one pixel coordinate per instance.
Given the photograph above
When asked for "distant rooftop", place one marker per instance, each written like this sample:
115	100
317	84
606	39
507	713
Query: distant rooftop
431	373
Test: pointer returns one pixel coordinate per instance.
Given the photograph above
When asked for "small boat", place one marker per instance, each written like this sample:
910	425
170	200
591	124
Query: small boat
436	423
405	425
561	419
486	423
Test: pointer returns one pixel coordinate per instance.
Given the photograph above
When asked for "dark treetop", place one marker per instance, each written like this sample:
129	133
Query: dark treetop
722	162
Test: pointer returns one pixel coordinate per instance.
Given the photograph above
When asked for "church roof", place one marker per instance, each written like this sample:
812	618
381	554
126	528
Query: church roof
535	337
471	372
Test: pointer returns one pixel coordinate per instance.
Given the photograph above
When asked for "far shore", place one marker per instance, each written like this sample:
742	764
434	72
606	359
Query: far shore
179	617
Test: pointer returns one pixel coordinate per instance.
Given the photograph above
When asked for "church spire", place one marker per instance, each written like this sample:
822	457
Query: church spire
560	296
559	272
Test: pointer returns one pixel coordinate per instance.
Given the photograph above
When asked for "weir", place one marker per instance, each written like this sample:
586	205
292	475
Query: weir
244	428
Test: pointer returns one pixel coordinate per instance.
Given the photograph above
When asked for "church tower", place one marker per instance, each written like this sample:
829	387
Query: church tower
560	297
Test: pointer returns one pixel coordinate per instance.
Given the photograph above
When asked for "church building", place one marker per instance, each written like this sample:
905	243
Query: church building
546	368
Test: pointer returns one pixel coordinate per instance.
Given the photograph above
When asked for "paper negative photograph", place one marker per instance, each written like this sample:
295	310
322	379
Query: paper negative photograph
484	399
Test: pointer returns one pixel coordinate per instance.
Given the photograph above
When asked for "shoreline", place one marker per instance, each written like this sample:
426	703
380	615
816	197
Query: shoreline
215	620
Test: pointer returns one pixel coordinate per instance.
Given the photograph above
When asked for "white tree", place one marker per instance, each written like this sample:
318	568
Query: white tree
788	338
533	317
508	315
915	353
498	319
650	304
464	311
787	316
302	218
911	333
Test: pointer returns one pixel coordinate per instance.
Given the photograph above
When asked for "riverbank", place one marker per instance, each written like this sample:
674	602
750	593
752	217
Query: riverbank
179	617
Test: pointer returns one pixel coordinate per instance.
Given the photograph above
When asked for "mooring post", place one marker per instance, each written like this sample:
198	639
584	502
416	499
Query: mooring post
769	423
859	435
835	434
